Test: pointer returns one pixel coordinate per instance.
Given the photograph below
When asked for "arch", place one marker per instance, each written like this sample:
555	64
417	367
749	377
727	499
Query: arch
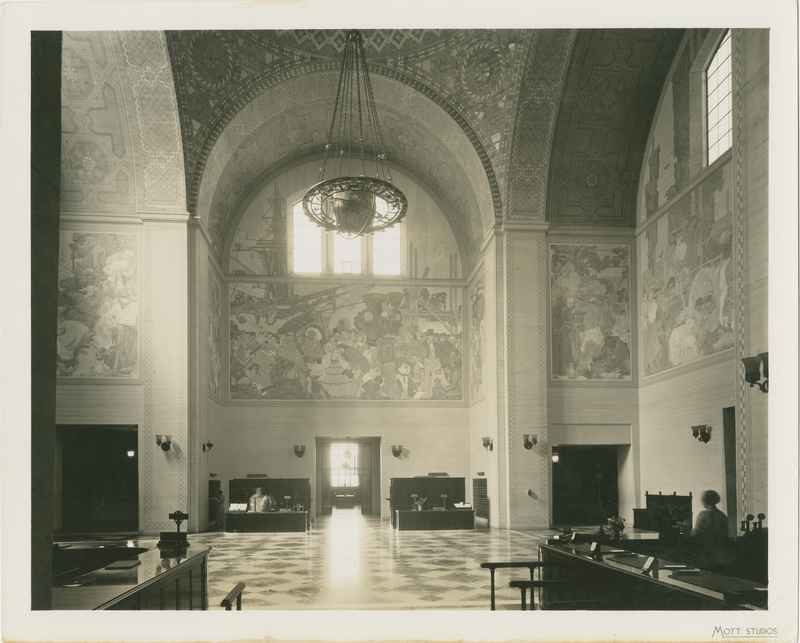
280	170
287	122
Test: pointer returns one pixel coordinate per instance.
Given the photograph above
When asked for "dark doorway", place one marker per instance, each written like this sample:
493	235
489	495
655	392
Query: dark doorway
99	479
729	442
584	485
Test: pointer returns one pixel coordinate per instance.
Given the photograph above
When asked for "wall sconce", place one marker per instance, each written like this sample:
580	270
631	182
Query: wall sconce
207	446
164	442
397	450
299	450
530	440
488	444
555	456
702	432
753	371
131	453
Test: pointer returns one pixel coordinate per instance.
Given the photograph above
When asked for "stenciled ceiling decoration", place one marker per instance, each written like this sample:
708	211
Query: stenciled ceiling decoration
556	119
610	94
118	104
472	75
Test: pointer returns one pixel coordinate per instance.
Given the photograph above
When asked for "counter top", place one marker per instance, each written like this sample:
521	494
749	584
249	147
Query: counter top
745	594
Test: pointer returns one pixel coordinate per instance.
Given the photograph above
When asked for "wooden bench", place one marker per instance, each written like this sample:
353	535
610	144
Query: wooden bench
531	565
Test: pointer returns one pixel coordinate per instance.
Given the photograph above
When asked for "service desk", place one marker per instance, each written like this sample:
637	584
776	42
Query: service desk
433	519
615	580
151	580
253	521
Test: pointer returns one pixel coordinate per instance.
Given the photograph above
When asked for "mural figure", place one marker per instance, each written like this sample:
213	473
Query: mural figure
685	275
590	312
345	342
478	334
214	334
98	307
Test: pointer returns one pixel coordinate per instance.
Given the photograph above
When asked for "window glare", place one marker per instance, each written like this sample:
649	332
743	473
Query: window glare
307	242
718	81
346	255
386	252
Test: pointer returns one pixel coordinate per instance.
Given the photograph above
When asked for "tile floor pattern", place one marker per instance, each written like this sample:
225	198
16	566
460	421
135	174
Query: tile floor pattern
350	561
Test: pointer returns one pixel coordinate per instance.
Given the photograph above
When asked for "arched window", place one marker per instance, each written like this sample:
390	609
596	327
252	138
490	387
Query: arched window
718	97
317	251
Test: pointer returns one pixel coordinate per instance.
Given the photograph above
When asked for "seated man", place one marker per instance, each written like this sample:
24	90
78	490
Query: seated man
260	502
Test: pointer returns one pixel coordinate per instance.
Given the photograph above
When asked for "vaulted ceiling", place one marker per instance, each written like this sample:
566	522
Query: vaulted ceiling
497	124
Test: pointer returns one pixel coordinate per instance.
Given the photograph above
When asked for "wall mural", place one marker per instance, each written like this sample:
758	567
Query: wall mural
590	313
687	278
478	334
98	305
214	334
355	341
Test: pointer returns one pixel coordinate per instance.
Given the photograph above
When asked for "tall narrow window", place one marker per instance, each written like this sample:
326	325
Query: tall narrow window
386	252
346	255
307	242
718	83
344	471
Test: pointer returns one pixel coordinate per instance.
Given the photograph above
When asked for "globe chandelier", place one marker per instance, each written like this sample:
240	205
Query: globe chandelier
355	205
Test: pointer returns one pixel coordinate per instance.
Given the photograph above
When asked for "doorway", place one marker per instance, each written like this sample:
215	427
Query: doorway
348	474
97	479
585	486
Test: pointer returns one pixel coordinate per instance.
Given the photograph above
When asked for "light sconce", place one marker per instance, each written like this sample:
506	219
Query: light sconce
299	450
530	440
754	369
131	453
208	446
397	450
488	444
164	441
702	432
555	456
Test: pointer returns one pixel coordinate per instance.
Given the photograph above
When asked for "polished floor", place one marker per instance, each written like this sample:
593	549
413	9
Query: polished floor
350	561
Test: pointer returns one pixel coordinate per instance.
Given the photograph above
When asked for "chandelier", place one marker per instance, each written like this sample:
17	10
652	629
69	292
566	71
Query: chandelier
355	205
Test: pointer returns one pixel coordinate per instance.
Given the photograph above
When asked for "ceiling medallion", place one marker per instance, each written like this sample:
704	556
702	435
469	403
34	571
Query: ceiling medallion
355	205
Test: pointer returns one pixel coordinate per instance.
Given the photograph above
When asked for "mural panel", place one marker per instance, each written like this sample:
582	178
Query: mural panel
214	334
354	341
687	278
590	316
98	305
478	335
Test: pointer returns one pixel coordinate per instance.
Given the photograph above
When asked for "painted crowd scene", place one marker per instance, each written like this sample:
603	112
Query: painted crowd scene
590	315
344	342
98	305
686	278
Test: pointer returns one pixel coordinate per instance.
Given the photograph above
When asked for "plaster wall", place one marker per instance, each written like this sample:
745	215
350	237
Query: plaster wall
260	439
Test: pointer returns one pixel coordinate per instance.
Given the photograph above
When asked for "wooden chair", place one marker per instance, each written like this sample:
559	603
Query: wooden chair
236	593
524	585
531	565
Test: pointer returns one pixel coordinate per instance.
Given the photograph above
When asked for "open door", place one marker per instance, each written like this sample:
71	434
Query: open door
348	474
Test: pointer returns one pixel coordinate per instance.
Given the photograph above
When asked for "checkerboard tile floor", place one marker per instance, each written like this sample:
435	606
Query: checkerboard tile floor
350	561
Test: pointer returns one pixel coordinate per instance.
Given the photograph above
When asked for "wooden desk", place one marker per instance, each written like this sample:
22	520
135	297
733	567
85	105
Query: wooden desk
616	582
250	521
160	581
431	519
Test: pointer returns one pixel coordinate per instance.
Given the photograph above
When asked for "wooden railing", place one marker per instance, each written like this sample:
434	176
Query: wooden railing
235	593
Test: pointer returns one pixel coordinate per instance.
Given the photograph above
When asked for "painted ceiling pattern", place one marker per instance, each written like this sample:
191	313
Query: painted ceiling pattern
118	106
471	75
540	93
555	120
610	94
96	157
